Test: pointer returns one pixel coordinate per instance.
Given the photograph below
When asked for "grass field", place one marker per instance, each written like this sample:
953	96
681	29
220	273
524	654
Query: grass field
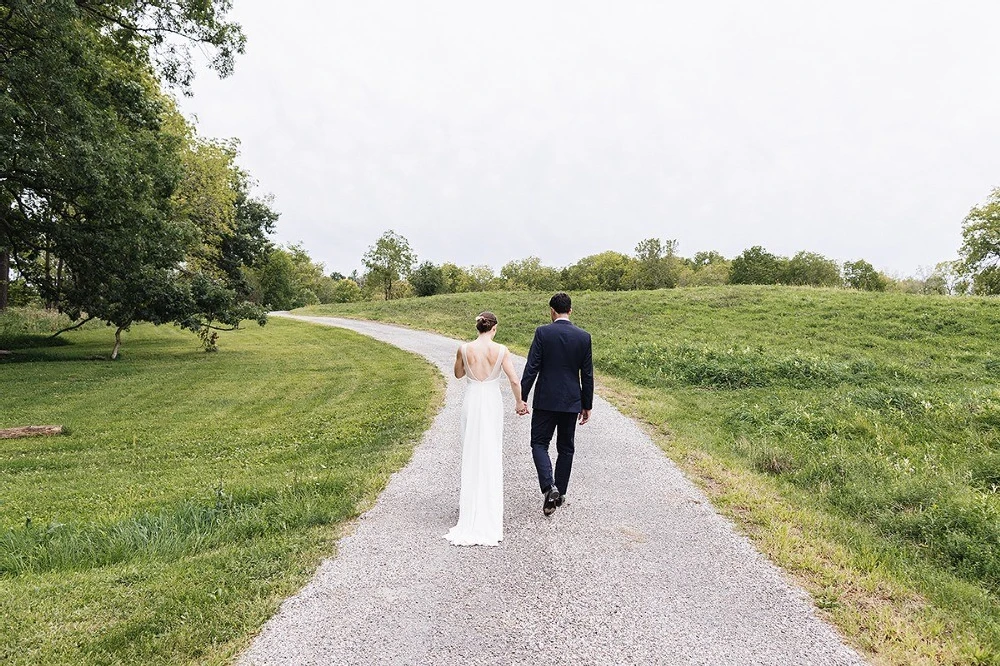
854	436
195	491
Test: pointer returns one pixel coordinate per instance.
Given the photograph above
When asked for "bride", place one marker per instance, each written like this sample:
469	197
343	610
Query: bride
480	504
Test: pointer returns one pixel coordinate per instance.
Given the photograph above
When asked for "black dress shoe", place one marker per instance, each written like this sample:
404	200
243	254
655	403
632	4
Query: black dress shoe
552	497
559	502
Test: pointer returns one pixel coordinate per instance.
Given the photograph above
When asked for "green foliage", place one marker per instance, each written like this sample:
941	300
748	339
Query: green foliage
110	205
607	271
811	269
476	278
705	269
345	291
756	266
280	283
451	276
229	235
656	265
454	279
877	411
863	276
980	249
947	278
530	274
427	280
28	326
22	294
170	524
289	278
388	261
708	258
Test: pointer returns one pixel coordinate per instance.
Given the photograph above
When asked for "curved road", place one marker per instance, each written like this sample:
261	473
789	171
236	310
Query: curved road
636	568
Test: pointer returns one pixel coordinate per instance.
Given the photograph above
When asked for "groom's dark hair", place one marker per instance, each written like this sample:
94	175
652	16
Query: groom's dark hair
561	303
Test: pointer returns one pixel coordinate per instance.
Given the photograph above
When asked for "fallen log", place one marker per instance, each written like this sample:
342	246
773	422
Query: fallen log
30	431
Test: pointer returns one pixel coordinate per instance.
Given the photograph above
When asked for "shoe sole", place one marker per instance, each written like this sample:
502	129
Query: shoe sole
550	505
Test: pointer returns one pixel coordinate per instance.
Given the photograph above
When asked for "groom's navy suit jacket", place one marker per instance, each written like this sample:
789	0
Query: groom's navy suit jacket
562	361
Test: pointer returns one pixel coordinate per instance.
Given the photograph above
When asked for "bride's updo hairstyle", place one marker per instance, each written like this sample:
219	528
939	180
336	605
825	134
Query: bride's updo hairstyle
485	321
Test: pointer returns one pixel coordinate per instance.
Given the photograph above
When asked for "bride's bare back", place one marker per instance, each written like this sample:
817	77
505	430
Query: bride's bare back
482	357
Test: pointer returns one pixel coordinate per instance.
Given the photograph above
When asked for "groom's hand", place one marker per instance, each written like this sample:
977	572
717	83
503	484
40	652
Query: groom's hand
584	416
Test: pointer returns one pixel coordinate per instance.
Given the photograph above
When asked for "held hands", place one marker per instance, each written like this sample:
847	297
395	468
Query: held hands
584	416
522	408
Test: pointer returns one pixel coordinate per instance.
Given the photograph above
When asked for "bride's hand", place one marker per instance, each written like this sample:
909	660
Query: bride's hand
522	408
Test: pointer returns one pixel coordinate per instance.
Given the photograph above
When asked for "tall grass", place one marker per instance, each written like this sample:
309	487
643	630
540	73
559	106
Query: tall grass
24	326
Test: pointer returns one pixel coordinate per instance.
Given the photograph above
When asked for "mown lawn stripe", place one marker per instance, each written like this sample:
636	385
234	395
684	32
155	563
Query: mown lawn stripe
195	491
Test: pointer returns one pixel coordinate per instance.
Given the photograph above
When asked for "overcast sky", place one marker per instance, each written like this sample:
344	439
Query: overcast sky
485	132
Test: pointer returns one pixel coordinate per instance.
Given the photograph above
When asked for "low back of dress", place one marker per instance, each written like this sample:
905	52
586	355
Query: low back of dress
494	372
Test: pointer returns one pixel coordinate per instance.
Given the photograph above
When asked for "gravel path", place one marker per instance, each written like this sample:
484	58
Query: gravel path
606	580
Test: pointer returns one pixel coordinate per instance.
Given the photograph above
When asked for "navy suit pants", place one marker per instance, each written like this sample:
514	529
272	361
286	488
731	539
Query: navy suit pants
544	424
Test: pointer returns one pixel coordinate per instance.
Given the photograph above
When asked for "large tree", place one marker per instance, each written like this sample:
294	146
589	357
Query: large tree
289	278
811	269
80	101
656	265
862	275
92	156
228	230
388	261
427	279
980	251
4	278
530	274
756	266
607	271
705	268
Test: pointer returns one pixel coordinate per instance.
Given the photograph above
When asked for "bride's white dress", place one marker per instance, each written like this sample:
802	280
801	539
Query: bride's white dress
480	503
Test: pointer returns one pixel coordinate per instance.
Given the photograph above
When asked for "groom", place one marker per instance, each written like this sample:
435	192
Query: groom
560	357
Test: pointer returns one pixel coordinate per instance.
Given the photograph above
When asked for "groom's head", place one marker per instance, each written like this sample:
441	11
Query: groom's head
560	305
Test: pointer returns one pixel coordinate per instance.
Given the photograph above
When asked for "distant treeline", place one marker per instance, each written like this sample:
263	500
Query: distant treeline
289	278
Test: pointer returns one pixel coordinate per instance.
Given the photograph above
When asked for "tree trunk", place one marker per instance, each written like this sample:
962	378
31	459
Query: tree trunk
59	279
4	278
118	343
30	431
48	279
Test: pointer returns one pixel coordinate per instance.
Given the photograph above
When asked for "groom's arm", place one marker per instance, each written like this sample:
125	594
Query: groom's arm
531	367
587	377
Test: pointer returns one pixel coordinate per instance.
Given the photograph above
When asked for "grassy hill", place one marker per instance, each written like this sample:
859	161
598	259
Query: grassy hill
854	436
194	491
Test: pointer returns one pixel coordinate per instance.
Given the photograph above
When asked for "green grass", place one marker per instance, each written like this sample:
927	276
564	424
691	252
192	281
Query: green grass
195	491
854	436
30	327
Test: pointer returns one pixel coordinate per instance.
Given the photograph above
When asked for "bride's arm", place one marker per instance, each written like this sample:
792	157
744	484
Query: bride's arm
459	365
515	382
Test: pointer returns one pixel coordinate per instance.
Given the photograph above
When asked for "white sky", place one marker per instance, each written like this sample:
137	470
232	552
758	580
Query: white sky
485	132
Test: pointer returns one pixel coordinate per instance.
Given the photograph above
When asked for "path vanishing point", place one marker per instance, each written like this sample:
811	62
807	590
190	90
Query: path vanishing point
636	568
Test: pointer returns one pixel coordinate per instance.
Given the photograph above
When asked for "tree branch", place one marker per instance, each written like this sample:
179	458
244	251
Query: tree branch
70	328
